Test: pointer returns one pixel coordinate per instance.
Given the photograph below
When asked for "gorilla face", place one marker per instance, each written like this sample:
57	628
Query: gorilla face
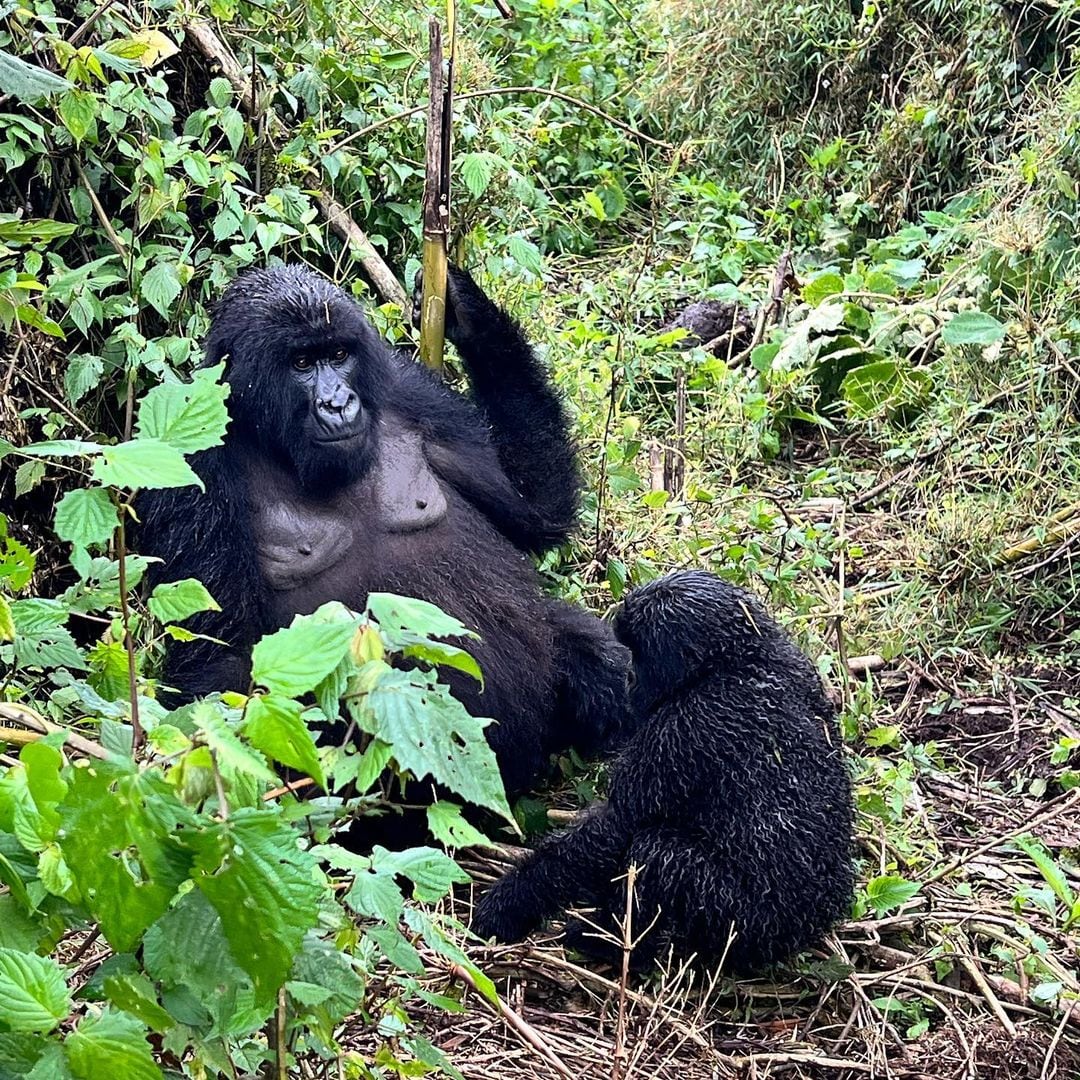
308	372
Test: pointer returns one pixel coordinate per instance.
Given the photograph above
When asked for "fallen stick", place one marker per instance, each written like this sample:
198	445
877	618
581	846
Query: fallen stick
521	1026
860	665
337	216
21	714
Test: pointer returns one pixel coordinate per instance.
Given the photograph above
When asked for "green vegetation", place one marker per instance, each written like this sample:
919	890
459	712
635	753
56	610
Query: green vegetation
890	453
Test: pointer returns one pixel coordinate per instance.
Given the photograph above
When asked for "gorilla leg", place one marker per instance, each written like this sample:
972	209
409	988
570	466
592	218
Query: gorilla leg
680	895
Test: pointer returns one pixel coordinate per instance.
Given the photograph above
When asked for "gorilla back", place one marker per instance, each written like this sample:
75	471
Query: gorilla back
348	468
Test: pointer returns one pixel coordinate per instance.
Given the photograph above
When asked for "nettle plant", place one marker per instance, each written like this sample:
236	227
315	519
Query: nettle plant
238	933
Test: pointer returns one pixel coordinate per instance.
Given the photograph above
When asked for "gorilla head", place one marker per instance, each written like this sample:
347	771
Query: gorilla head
308	372
686	625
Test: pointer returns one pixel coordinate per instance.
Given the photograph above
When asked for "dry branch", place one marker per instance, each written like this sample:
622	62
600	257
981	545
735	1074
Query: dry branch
15	713
337	216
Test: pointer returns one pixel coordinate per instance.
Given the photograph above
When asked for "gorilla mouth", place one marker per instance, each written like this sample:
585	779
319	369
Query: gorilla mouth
338	436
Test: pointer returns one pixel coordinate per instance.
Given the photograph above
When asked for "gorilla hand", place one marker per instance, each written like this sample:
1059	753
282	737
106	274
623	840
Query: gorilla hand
510	910
467	308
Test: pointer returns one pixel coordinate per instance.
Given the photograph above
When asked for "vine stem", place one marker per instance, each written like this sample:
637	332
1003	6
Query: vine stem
129	641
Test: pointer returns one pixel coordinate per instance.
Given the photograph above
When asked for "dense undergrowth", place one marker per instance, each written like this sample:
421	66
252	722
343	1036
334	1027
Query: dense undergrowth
889	451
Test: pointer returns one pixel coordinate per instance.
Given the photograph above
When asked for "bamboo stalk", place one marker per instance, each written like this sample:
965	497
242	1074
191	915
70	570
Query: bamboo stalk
436	204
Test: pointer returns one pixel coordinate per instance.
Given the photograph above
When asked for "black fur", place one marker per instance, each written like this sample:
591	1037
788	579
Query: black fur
732	797
502	458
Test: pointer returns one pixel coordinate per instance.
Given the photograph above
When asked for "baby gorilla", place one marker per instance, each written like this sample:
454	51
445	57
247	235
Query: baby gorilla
731	798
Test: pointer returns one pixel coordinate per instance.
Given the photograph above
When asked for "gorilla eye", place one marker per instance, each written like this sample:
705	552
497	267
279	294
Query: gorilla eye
302	362
341	354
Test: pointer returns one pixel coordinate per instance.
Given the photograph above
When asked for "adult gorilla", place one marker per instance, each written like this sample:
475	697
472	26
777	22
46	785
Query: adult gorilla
349	468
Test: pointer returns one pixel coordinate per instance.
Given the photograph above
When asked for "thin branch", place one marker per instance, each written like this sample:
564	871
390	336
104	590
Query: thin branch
496	91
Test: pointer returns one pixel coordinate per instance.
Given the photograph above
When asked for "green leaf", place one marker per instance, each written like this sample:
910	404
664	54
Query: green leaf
78	110
433	735
134	993
160	286
119	841
264	888
86	516
174	601
449	827
275	726
887	893
33	994
232	755
972	328
27	230
28	475
28	82
7	620
526	254
61	448
144	463
1049	869
296	659
220	92
187	416
402	618
186	951
110	1045
822	287
476	171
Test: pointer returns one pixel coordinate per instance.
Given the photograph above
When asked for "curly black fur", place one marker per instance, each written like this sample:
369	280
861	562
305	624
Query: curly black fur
501	458
732	798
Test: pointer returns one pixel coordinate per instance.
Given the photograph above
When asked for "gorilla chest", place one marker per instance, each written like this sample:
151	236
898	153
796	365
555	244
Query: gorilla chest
303	540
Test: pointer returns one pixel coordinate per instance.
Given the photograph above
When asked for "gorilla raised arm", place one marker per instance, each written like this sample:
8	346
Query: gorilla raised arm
348	468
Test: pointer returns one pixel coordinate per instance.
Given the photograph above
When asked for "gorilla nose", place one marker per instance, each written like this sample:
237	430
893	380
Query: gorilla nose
339	410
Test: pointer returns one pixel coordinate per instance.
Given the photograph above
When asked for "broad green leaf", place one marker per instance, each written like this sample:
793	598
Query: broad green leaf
28	475
33	994
28	82
374	893
476	170
405	620
61	448
86	516
174	601
889	892
972	328
433	735
78	110
119	841
220	92
134	993
82	374
18	929
822	287
160	286
439	654
264	888
186	951
526	254
275	726
232	755
28	230
326	971
295	660
111	1045
431	871
187	416
144	463
447	824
